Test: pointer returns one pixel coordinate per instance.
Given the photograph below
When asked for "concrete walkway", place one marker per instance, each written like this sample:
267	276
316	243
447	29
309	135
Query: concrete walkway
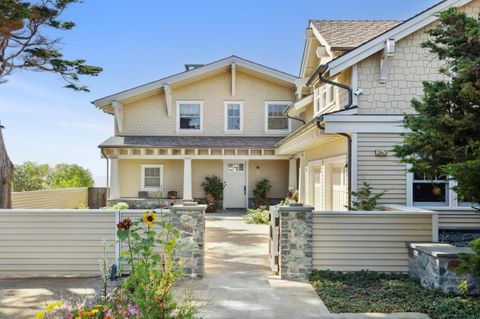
238	282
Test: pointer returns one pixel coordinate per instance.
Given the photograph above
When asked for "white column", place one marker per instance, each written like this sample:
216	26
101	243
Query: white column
302	180
292	173
187	179
114	180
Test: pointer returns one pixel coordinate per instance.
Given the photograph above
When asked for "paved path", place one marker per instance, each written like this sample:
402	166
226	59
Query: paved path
238	282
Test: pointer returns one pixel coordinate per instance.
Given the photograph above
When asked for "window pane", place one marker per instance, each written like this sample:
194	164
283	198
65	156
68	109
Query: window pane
233	123
277	123
152	172
233	110
152	182
190	123
189	110
430	192
189	116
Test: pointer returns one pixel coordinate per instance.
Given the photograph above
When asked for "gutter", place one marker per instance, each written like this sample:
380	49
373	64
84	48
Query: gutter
288	109
319	119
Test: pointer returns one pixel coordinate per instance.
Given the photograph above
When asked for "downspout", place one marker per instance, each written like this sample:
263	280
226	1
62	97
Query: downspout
285	113
108	171
320	118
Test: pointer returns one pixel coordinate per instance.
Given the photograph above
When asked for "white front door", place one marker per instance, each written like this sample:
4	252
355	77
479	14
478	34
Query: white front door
234	195
339	187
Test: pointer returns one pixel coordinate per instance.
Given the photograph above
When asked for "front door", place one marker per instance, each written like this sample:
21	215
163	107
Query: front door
234	195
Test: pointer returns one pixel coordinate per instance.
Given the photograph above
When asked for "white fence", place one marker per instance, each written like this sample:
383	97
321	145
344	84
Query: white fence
39	242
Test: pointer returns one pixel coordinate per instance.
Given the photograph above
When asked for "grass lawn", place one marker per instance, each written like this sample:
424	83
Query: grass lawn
378	292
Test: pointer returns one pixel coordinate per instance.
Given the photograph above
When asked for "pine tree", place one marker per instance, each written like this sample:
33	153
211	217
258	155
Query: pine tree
444	132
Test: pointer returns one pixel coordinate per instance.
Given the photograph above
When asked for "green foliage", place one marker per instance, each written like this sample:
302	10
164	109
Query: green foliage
380	292
151	243
366	200
119	206
70	176
256	216
25	44
214	186
31	176
444	134
261	192
470	263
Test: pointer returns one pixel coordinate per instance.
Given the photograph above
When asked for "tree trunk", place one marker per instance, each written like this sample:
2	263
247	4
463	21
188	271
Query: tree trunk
6	173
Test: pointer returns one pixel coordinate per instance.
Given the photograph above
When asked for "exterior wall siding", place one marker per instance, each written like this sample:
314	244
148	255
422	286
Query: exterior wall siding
130	176
458	220
52	198
202	169
147	116
382	173
342	242
276	171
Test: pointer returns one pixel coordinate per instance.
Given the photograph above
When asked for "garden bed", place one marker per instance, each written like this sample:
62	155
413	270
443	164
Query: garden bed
361	292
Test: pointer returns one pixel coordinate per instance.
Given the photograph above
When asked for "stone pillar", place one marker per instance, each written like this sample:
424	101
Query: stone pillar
190	221
114	179
296	236
187	179
292	173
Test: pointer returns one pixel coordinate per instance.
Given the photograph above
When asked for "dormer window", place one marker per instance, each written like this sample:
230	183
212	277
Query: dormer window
189	116
324	97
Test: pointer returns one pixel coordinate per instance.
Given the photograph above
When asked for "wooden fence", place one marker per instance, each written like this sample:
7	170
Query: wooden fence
65	198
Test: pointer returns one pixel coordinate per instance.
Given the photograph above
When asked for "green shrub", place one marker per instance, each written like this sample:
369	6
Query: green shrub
380	292
214	185
256	216
366	200
119	206
261	192
470	263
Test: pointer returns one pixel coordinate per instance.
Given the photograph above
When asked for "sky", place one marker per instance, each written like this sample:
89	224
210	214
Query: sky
144	40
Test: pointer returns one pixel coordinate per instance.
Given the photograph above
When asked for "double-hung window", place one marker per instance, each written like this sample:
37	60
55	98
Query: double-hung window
323	98
275	120
152	177
233	117
189	116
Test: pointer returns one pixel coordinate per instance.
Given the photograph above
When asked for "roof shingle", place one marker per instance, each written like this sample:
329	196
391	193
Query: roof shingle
349	34
193	141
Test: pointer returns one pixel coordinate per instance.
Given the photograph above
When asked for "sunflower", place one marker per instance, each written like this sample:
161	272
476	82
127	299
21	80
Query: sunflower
149	218
125	224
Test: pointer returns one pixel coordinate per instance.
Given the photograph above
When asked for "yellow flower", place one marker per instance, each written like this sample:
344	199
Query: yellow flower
149	218
40	315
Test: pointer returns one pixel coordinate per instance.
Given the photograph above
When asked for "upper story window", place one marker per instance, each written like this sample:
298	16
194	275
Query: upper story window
233	117
275	121
189	116
324	97
152	177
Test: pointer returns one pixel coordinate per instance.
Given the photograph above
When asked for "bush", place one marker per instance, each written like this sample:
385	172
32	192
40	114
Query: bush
256	216
380	292
119	206
214	185
366	200
261	192
470	263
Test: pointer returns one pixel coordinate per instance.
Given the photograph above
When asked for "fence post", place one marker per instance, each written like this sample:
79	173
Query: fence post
435	227
296	242
118	217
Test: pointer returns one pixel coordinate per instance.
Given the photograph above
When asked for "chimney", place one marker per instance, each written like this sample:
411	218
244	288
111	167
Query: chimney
190	67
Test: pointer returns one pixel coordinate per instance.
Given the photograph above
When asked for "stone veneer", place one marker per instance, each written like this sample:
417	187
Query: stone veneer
434	265
296	236
190	221
146	203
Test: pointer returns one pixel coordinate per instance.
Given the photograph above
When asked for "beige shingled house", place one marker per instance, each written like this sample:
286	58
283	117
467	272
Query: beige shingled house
229	118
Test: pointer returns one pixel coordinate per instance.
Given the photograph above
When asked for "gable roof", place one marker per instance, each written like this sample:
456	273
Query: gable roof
397	33
289	79
349	34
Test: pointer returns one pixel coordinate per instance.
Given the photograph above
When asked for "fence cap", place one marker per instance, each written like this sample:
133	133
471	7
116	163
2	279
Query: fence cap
439	250
295	208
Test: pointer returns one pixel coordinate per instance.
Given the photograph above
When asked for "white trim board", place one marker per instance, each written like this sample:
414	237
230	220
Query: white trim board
397	33
225	114
364	124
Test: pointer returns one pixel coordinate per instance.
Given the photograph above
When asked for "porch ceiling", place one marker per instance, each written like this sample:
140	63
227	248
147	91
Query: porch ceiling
305	137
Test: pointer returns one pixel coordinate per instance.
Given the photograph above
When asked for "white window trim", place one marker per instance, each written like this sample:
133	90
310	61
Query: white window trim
179	130
330	102
451	201
226	130
270	131
142	174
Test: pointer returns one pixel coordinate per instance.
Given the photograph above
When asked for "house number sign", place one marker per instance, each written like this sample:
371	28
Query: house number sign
381	153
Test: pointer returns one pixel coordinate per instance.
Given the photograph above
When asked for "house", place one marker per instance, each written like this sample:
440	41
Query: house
223	119
345	113
357	80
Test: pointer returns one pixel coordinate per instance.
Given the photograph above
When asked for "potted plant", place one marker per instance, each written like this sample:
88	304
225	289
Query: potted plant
213	187
261	191
172	195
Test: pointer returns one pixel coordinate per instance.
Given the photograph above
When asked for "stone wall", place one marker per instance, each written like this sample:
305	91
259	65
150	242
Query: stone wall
190	221
434	265
146	203
296	256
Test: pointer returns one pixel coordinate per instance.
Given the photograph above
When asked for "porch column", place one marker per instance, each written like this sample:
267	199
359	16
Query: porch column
114	181
292	173
187	179
302	181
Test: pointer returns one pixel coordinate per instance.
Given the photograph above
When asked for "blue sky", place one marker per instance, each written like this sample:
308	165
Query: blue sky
144	40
